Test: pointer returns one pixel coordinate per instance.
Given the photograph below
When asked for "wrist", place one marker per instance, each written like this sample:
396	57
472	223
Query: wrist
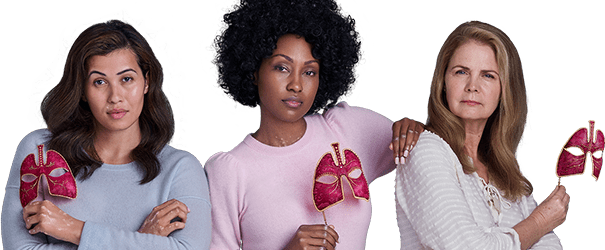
76	234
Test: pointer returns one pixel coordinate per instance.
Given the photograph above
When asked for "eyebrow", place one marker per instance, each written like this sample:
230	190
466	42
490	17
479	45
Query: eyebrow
292	60
119	73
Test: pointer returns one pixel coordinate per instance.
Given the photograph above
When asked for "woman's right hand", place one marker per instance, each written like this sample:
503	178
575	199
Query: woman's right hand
314	237
553	210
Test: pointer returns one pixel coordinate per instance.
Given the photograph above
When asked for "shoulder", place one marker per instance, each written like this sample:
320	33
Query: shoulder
179	161
430	153
29	144
356	120
344	110
221	163
173	155
429	142
36	137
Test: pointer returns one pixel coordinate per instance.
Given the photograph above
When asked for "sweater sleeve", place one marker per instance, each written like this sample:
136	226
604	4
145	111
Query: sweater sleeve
370	131
226	191
14	233
189	185
428	192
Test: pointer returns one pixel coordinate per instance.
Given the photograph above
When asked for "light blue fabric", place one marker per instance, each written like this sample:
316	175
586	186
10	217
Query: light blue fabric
114	205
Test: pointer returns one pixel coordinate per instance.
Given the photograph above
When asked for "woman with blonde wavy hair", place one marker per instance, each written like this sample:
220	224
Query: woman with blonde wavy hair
462	187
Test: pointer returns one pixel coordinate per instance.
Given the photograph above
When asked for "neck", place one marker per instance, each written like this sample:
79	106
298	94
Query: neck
474	131
114	147
277	133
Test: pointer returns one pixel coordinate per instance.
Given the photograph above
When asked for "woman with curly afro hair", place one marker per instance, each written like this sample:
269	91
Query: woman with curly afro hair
301	180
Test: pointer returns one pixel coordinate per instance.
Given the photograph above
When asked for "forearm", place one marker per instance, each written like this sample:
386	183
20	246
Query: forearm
529	232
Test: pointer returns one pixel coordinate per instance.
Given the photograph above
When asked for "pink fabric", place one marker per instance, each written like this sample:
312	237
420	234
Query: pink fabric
260	194
570	164
62	186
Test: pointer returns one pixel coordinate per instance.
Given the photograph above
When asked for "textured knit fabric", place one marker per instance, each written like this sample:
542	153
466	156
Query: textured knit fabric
262	194
441	207
114	205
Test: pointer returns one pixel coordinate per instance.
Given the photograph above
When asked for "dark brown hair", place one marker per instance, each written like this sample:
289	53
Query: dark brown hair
70	120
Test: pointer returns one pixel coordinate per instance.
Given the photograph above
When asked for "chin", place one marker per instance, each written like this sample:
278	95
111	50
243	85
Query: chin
118	126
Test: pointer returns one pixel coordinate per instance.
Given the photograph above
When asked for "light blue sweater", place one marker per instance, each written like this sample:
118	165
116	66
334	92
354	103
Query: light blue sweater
114	205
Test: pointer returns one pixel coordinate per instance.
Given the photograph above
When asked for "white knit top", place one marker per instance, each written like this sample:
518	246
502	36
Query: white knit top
441	207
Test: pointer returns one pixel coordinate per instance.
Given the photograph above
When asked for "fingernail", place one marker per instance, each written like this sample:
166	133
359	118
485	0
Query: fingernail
396	160
402	160
405	153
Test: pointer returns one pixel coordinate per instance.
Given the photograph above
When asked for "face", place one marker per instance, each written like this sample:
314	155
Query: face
287	81
115	90
472	82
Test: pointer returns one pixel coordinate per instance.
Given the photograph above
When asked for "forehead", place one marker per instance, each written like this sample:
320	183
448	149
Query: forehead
117	59
474	53
293	44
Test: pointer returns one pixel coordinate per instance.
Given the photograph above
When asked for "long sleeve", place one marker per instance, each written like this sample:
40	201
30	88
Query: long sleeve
187	184
432	200
113	205
370	131
226	197
14	233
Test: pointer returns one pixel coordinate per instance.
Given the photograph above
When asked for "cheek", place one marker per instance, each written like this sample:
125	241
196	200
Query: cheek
494	97
268	89
95	100
137	98
453	95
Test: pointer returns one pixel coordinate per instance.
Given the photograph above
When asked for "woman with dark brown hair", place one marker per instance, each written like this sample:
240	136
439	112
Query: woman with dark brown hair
112	180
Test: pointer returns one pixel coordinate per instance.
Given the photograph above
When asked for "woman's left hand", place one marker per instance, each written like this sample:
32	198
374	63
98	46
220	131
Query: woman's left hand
44	217
405	136
161	221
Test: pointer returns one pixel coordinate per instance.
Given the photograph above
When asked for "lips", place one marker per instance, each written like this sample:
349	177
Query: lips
471	102
292	102
117	113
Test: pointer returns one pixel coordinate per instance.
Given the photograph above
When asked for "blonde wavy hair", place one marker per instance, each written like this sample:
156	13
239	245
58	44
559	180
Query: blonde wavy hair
504	127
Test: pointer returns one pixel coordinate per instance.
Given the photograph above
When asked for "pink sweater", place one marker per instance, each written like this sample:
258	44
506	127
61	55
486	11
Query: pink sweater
261	194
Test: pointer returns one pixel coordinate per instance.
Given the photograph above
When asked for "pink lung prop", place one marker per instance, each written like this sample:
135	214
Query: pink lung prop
585	140
326	195
63	185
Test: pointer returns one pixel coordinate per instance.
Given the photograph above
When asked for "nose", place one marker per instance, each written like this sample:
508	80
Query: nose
472	85
115	93
295	84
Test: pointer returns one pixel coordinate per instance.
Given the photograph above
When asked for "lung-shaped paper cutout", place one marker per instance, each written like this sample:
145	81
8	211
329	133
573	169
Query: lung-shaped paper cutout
326	195
62	186
585	140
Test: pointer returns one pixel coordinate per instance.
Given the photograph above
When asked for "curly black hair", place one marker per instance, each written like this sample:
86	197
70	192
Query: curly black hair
253	29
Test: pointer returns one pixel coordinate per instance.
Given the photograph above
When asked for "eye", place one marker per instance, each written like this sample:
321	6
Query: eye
460	72
127	79
58	172
98	82
355	173
28	178
575	151
489	76
310	73
280	68
327	179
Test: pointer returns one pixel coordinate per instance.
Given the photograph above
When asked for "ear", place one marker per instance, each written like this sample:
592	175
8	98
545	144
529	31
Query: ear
255	78
146	85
